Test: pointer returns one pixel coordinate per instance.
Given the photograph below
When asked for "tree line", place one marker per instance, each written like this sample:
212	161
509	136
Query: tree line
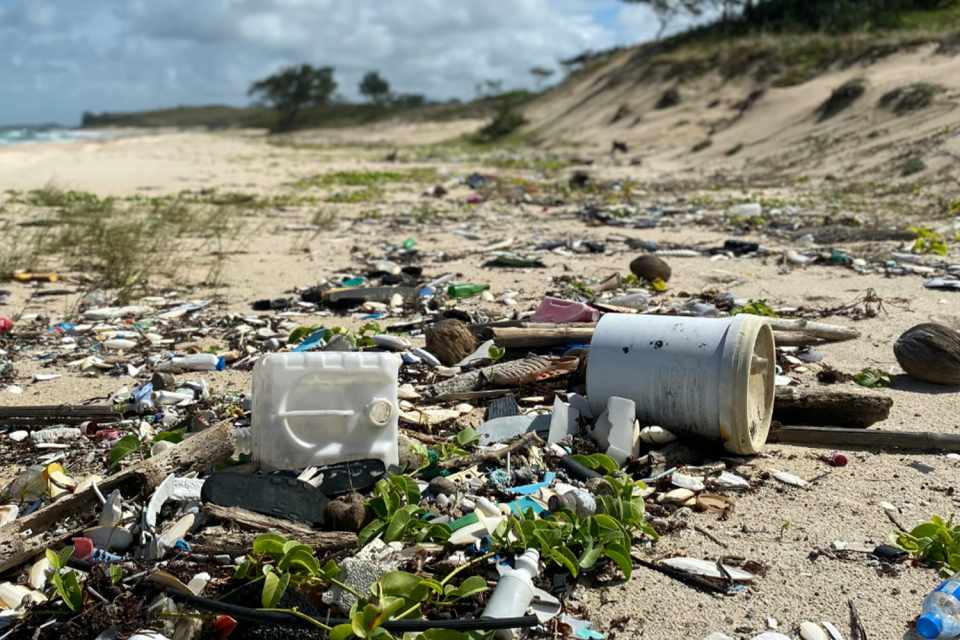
744	16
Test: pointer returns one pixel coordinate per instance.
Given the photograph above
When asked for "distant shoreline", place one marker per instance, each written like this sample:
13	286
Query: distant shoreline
15	136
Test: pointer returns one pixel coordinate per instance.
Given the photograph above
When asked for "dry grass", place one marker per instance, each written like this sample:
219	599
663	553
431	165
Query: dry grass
124	246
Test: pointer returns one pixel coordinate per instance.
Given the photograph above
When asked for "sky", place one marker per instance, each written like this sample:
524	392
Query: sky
59	58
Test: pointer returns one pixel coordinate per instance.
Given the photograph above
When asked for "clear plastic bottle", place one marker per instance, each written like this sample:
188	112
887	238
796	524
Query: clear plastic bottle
941	611
637	301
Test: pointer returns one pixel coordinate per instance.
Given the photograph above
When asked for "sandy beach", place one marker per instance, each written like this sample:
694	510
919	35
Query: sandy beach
789	530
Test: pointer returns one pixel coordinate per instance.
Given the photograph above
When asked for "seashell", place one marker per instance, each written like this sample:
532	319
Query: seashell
789	478
706	568
714	503
677	496
686	482
832	630
812	631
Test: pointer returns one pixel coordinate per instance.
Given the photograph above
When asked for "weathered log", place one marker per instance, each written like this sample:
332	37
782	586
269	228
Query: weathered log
57	414
826	407
218	540
259	523
875	438
26	537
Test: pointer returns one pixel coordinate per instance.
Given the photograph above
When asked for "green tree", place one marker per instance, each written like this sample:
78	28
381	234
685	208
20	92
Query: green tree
375	88
541	75
667	10
295	88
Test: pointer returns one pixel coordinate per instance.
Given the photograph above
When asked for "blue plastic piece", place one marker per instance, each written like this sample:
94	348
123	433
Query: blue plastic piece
589	634
102	555
311	340
527	489
141	392
221	364
498	478
372	316
354	282
522	504
182	544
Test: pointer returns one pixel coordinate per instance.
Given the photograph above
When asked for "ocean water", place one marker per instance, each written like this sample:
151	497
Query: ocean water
23	135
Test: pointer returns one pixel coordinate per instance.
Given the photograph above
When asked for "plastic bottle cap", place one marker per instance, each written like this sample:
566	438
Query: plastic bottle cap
929	626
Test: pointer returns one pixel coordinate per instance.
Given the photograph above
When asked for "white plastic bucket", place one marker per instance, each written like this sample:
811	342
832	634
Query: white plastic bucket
705	378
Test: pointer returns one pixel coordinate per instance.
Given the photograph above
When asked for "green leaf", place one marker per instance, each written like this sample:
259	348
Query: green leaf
269	543
408	486
341	632
73	595
586	461
371	531
53	559
300	557
397	528
567	559
467	437
273	588
124	447
64	556
116	574
174	436
495	352
590	556
605	462
621	556
473	585
400	583
433	585
871	378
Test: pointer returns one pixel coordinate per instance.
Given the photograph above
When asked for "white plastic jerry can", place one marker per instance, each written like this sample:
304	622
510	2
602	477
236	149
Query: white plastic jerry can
317	408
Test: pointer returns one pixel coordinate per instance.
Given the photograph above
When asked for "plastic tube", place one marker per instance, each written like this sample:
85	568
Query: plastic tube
195	362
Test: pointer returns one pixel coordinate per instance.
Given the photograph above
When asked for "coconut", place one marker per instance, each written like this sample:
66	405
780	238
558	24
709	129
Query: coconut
347	513
450	341
650	268
930	352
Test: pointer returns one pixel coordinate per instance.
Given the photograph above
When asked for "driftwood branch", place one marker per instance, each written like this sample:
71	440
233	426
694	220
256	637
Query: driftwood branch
257	523
787	333
218	540
819	330
26	537
57	414
492	456
531	337
822	407
921	441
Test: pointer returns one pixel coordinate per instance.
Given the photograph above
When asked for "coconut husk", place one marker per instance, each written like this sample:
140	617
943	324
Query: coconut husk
347	513
650	268
450	341
930	352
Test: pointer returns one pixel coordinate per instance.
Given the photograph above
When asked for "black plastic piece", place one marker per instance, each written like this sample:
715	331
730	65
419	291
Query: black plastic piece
503	407
576	470
357	475
276	496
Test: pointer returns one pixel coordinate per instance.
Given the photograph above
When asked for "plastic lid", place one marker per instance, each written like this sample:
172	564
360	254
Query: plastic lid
929	625
746	402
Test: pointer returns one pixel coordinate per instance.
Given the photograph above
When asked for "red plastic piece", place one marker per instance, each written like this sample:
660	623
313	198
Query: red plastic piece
562	311
6	324
837	459
224	627
82	548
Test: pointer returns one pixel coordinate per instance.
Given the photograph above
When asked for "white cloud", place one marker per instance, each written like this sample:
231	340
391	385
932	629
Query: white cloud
119	55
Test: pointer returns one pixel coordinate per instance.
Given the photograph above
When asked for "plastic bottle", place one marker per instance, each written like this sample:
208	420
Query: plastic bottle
514	592
466	290
701	309
196	362
631	301
941	611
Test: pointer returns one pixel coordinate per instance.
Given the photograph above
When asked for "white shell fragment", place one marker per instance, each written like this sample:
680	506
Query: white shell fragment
832	630
811	631
789	478
729	480
656	435
677	496
686	482
706	568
